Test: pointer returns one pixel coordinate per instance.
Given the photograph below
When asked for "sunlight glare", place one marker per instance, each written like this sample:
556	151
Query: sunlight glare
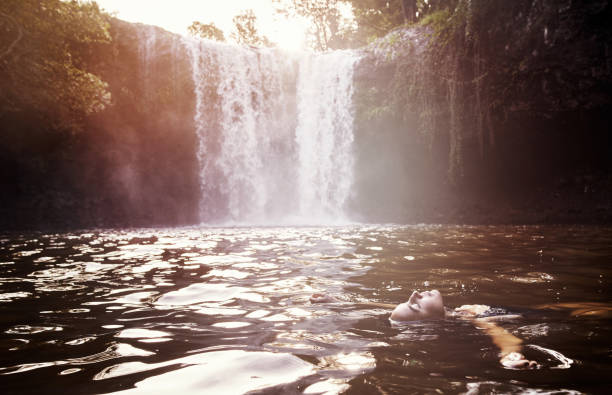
177	15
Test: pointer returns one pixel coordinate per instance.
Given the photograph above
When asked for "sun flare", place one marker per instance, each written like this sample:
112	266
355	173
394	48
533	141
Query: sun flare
176	16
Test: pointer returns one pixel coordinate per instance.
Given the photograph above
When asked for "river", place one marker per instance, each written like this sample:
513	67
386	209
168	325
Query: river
227	310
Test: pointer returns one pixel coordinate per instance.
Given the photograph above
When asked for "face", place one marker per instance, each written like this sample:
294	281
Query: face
420	306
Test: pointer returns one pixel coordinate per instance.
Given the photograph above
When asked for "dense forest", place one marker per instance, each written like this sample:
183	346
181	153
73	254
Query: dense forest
481	111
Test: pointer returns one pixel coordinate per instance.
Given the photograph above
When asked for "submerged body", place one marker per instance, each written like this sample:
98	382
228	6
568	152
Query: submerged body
429	305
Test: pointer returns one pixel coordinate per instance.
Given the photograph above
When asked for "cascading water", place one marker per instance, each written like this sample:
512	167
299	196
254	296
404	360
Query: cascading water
324	134
275	134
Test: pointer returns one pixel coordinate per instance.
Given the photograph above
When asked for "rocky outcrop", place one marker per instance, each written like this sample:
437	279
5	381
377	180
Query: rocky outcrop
494	112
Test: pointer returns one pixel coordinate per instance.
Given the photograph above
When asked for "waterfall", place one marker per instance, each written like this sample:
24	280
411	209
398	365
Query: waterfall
275	133
147	45
324	134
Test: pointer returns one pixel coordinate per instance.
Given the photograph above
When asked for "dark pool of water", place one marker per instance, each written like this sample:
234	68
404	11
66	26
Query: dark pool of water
207	310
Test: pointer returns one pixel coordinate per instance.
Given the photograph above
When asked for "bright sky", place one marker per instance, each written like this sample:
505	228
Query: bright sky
177	15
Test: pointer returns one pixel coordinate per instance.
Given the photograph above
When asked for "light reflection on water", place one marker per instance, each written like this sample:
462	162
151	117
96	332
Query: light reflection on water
227	309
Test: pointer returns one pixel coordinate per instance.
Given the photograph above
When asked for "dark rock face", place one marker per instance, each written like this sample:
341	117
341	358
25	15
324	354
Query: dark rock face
497	112
135	162
149	162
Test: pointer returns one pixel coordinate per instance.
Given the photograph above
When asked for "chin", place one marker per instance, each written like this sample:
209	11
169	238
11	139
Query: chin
404	313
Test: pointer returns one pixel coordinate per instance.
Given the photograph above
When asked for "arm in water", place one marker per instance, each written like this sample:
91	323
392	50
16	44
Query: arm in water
428	305
581	309
510	346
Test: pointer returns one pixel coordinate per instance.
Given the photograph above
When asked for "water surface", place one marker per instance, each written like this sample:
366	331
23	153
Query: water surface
205	310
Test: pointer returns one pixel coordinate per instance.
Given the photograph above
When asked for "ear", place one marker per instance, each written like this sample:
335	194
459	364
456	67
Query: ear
415	307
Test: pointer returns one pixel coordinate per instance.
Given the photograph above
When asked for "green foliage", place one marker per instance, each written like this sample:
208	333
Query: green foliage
337	24
43	55
206	30
371	104
246	33
437	20
376	18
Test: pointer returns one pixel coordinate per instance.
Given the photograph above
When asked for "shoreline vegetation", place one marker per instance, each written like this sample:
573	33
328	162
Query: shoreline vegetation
477	112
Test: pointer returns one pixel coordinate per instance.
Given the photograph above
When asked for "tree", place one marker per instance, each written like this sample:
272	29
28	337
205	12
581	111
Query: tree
246	33
43	60
330	29
375	18
206	30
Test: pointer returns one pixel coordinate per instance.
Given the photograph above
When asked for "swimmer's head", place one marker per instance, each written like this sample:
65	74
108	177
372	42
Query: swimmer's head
420	306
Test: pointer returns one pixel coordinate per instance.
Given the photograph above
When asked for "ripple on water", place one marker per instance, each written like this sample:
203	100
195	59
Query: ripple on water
199	293
349	362
10	296
116	350
228	273
134	298
214	260
141	333
328	387
69	371
253	297
223	372
258	314
529	278
231	324
216	311
79	341
532	331
29	330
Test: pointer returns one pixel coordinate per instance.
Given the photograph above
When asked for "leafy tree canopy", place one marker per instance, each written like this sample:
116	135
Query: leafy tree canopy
206	30
44	49
375	18
330	26
246	33
333	26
